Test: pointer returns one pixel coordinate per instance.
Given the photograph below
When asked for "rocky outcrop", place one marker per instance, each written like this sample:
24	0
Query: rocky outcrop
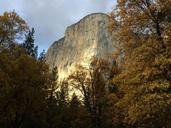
89	37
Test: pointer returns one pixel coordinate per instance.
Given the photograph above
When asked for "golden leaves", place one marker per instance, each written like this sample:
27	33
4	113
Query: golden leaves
12	27
144	77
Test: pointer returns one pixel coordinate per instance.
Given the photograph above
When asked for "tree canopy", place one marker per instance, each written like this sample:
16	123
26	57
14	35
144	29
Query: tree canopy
133	91
144	47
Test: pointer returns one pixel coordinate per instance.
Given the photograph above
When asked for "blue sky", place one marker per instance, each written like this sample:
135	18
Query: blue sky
51	17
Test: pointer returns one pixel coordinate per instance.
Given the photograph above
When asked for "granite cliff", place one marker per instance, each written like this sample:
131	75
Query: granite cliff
88	37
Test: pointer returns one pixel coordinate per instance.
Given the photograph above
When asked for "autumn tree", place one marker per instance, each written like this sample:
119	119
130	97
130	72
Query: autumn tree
24	81
23	86
12	28
92	86
144	45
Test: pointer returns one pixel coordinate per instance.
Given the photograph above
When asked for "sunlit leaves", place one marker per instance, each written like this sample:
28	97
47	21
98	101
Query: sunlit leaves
145	77
12	28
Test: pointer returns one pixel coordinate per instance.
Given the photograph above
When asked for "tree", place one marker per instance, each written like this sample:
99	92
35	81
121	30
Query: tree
23	86
74	109
29	45
23	80
52	103
42	56
92	85
78	116
12	28
144	80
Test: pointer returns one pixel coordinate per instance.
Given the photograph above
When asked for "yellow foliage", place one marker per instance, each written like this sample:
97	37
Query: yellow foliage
145	50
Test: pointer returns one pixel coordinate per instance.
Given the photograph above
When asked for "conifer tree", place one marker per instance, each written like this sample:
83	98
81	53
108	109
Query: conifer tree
29	45
42	56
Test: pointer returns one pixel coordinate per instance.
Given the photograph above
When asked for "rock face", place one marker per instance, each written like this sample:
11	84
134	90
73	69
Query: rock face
83	40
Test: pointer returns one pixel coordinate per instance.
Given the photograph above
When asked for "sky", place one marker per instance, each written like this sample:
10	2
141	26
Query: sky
51	17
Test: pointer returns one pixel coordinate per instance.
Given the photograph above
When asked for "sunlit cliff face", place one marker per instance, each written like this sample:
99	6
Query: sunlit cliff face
83	40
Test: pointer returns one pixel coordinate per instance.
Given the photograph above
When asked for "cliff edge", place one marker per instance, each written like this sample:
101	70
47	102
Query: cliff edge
87	38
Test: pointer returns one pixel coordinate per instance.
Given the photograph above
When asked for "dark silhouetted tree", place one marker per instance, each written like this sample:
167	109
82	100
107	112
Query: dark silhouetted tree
29	45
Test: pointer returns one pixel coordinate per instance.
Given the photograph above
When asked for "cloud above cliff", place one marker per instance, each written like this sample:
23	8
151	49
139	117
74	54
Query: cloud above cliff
51	17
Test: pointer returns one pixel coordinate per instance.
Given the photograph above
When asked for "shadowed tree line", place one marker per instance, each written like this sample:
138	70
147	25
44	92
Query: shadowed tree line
134	91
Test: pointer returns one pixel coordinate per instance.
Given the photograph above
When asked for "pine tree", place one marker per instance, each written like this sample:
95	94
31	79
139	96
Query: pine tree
42	56
29	45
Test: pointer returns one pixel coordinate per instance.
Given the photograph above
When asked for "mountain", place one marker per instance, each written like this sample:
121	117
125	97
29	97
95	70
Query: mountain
87	38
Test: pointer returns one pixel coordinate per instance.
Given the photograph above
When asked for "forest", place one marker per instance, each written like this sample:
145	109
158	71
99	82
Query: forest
135	92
